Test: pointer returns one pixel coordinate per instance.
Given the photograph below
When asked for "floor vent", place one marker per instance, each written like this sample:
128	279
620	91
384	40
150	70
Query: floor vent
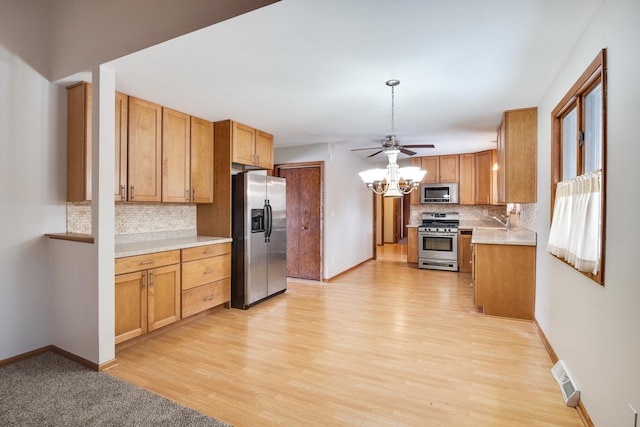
570	390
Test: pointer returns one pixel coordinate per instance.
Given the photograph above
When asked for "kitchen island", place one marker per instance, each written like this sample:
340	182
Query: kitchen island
504	271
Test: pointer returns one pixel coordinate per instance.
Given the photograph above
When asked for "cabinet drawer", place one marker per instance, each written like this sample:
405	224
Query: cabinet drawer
203	297
196	273
146	261
200	252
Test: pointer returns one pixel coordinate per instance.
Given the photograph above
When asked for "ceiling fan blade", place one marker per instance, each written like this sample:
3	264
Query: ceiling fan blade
370	148
420	146
407	152
376	153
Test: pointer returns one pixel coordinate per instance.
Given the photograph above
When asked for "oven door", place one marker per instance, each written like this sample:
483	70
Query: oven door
438	246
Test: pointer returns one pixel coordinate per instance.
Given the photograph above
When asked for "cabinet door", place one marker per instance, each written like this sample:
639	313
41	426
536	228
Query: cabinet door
432	166
464	251
519	139
79	142
244	140
131	305
264	150
449	168
467	186
163	296
484	177
145	151
415	194
500	171
412	245
201	161
120	172
176	156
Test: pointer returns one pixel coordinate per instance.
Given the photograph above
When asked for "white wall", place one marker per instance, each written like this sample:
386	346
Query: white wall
594	328
348	205
89	33
32	173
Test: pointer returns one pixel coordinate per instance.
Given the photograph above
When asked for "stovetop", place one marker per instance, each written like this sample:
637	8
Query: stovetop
440	221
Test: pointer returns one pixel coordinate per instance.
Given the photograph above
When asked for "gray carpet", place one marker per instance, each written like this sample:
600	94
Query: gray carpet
51	390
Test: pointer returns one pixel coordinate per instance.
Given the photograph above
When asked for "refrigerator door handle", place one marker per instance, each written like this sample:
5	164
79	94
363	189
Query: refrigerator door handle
269	221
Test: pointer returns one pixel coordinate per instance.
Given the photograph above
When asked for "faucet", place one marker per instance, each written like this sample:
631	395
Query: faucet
506	223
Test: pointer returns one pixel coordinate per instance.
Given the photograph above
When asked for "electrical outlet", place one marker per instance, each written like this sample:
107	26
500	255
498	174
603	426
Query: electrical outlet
635	415
485	212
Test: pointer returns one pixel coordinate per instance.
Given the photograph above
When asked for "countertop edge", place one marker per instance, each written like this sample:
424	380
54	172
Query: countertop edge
154	246
72	237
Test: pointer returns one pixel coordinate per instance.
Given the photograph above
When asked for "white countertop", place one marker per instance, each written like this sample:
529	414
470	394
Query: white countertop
500	236
153	246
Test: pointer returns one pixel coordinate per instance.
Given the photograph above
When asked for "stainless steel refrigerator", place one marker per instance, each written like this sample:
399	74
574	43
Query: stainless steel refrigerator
259	231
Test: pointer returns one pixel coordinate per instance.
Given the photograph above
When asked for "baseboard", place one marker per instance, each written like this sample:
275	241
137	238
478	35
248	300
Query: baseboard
582	411
68	355
331	279
26	355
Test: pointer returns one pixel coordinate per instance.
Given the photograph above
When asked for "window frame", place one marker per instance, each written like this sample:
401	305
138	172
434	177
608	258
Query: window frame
595	73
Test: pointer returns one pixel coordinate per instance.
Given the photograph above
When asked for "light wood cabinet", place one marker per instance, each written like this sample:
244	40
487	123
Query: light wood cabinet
504	280
121	147
464	251
450	168
79	109
432	166
264	150
144	151
187	158
486	189
206	277
176	156
251	147
467	187
201	161
147	293
517	154
412	245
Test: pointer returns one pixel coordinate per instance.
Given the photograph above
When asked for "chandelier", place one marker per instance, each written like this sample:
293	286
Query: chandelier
393	181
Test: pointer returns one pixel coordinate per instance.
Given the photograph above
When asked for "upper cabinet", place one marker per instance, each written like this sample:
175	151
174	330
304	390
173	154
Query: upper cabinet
145	151
486	178
250	147
517	149
79	143
441	169
467	188
160	154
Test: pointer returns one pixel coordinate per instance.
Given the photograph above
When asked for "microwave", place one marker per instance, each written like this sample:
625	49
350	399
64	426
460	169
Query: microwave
439	193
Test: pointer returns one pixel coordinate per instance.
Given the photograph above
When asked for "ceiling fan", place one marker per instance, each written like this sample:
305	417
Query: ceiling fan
390	142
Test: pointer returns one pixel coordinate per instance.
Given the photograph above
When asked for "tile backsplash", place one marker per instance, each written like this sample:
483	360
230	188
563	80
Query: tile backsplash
467	212
137	219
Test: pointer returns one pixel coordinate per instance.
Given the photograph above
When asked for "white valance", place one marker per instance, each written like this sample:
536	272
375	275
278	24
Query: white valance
575	226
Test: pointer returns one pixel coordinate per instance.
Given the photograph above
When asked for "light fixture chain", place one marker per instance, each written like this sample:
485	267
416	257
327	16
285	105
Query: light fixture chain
393	114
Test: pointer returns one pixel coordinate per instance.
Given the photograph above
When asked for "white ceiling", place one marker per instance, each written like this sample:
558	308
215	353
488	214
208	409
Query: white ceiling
312	71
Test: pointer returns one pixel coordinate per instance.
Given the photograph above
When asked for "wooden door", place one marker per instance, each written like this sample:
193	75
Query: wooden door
304	227
130	305
163	296
145	151
176	156
243	142
201	161
120	173
264	150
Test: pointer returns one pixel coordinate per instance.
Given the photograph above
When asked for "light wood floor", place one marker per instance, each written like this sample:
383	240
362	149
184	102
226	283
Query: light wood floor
383	345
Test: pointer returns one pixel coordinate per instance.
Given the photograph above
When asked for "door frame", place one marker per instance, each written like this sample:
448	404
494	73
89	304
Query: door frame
301	165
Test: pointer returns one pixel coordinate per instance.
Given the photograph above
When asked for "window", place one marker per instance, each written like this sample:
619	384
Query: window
578	164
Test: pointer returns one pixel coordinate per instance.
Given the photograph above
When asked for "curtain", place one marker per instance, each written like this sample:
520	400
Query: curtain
575	226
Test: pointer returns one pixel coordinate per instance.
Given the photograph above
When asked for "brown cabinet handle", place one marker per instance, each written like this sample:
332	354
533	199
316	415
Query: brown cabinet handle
133	192
144	280
194	195
210	297
148	262
151	277
209	271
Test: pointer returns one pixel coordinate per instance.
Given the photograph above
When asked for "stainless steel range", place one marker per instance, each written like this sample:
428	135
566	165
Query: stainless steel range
438	241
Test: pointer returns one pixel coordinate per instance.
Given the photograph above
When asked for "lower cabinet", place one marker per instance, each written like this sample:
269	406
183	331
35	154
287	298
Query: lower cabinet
464	251
147	293
206	277
504	280
412	245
